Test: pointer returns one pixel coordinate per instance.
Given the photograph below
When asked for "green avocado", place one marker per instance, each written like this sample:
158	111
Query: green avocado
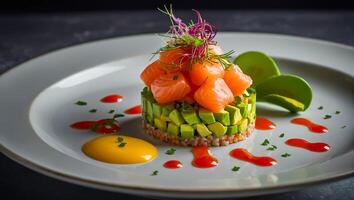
243	109
187	131
232	130
242	127
176	117
223	117
257	65
288	103
203	130
150	114
173	129
157	110
217	128
235	114
206	116
191	117
160	124
166	110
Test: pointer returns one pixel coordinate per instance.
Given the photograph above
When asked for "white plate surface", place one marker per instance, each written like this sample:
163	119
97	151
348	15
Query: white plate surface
37	105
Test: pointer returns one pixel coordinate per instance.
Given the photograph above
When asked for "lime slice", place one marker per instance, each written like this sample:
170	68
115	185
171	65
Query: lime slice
288	103
290	86
257	65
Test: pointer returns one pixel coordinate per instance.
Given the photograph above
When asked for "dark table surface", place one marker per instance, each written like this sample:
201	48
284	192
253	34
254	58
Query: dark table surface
25	36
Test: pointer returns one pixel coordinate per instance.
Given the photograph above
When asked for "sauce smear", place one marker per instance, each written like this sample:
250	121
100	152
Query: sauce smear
316	128
316	147
114	98
133	110
102	126
203	158
243	154
264	124
173	164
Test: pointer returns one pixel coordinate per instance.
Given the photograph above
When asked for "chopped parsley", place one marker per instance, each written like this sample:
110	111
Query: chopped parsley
120	139
171	151
344	126
154	173
81	103
117	116
121	145
235	168
327	117
282	135
121	142
320	108
337	112
265	142
272	148
285	155
93	110
175	77
111	111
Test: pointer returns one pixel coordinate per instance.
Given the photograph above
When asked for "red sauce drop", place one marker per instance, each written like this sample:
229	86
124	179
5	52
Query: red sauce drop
203	158
316	147
264	124
112	98
173	164
102	126
133	110
316	128
243	154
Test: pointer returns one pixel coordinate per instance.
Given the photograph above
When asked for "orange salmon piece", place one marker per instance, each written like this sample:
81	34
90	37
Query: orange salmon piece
214	95
170	87
151	72
200	72
237	81
175	59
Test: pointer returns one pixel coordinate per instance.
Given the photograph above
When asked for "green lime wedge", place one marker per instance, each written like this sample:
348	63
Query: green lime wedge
289	86
257	65
288	103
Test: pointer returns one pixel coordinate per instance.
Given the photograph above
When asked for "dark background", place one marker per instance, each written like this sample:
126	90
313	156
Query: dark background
87	5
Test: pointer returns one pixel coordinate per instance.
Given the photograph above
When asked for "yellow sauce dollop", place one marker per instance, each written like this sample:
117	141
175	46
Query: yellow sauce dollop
106	149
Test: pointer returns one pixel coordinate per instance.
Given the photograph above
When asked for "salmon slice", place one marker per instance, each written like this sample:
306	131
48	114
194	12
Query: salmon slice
237	81
200	72
151	72
175	59
214	95
170	87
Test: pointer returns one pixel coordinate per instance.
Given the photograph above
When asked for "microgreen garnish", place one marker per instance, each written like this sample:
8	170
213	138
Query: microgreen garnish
186	107
154	173
235	168
93	110
285	155
327	117
175	77
265	142
282	135
171	151
344	126
111	111
81	103
337	112
115	116
320	108
272	148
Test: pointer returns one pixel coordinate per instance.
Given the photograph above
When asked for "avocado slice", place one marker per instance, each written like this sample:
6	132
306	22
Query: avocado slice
206	116
150	115
166	110
157	110
217	128
243	109
160	124
187	131
232	130
288	103
257	65
223	117
242	127
235	114
191	117
203	130
176	117
173	129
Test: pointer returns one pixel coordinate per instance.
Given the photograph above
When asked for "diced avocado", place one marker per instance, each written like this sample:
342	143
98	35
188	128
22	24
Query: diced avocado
150	115
176	117
232	130
166	110
206	116
160	124
203	130
217	128
157	110
243	109
143	101
187	131
173	129
242	127
191	117
235	114
223	117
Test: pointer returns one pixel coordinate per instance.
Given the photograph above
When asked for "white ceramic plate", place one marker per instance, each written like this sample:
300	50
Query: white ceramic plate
37	105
